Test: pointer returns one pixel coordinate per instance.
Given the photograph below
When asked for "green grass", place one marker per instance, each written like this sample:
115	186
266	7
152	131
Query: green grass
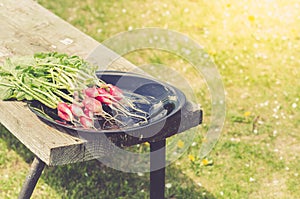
255	47
82	180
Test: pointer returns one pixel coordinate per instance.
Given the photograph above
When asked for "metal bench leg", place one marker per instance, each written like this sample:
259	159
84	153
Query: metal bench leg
157	176
32	178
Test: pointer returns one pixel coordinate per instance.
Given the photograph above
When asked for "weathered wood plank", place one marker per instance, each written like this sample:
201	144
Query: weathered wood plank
34	134
26	28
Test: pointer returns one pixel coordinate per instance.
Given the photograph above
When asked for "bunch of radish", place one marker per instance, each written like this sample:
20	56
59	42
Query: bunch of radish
69	85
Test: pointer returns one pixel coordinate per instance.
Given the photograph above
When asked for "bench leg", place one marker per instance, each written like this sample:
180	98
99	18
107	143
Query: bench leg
157	176
32	178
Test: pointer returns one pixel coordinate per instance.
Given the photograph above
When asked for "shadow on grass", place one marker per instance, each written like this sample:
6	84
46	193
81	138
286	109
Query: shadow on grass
94	180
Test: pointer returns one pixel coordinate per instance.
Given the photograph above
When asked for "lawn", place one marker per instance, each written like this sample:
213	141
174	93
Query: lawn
254	45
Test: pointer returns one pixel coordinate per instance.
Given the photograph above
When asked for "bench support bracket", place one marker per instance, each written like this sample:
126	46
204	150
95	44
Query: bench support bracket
157	166
32	178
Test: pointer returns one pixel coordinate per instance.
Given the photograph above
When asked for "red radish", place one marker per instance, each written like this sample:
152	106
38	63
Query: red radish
93	105
104	96
64	111
104	100
88	113
76	110
86	122
91	92
115	92
102	91
63	116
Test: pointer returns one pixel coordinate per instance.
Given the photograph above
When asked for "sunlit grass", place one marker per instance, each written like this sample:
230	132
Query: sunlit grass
255	45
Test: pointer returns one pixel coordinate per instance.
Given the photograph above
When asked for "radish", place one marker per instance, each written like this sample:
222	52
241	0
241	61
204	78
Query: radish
76	110
64	111
102	91
104	100
64	116
91	92
115	92
86	122
93	105
88	113
104	96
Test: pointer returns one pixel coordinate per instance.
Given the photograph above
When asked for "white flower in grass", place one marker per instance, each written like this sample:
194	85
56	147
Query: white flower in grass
280	158
260	122
275	182
294	105
287	168
168	185
251	179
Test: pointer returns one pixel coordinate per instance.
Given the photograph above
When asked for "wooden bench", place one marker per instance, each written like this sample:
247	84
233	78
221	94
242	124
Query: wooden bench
26	28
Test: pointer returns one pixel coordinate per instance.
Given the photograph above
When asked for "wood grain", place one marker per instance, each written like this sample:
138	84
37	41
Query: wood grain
40	138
